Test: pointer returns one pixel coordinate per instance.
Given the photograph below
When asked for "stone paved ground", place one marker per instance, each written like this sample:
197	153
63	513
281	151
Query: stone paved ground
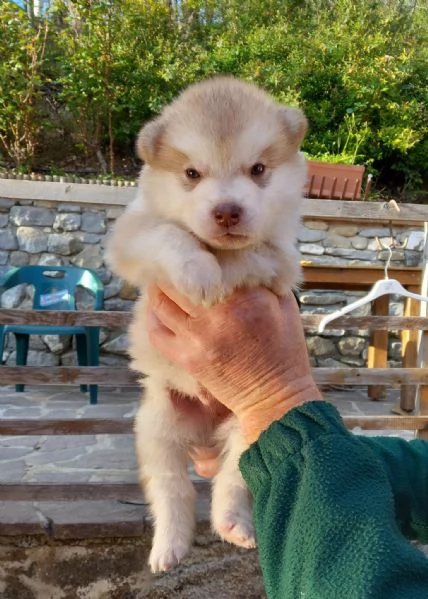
70	459
70	550
67	458
97	458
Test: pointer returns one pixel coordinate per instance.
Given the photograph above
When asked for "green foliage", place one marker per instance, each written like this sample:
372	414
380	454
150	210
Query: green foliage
22	76
99	68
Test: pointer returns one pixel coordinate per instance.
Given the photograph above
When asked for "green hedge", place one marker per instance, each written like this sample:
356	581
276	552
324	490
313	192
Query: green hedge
79	81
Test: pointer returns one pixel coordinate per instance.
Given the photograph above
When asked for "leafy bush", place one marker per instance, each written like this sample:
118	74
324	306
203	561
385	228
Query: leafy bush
93	71
22	76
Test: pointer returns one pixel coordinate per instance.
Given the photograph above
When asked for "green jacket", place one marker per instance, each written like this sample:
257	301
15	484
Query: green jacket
331	509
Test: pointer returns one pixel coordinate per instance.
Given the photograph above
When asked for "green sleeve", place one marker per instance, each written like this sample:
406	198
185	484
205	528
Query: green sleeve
406	466
324	513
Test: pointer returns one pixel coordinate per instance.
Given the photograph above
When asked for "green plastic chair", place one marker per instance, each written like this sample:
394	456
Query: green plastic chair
55	289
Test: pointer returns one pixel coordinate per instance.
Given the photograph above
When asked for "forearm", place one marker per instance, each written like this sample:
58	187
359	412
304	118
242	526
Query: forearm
324	513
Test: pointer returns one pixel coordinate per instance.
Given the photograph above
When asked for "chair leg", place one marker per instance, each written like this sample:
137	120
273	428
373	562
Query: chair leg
93	345
82	356
22	341
2	342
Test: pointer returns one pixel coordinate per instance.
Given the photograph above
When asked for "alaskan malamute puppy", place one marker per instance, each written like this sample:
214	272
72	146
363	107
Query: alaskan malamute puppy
217	207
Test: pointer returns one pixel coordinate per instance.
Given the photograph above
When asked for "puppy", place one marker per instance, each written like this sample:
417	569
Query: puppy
217	207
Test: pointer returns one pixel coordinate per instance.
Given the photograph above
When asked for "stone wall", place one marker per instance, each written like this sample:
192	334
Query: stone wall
49	233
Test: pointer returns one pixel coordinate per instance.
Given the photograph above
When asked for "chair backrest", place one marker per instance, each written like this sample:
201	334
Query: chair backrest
55	286
334	181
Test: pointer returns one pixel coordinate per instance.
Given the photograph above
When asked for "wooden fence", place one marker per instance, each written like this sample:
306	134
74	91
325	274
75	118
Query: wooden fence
119	376
330	210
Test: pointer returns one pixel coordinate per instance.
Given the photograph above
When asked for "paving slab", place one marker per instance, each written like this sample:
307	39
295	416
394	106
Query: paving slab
98	549
77	458
68	459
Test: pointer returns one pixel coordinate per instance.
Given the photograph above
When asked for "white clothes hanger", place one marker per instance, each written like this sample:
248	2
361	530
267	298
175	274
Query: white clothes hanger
384	286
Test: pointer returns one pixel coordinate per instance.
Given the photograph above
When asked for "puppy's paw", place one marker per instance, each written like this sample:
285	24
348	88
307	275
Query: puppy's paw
199	279
290	278
237	529
167	553
280	287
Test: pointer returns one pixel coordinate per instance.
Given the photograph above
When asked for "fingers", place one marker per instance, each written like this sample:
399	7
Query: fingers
202	453
165	309
171	292
207	469
206	460
156	328
289	304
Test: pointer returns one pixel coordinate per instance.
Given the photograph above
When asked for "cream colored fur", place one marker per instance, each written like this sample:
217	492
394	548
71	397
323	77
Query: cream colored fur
221	128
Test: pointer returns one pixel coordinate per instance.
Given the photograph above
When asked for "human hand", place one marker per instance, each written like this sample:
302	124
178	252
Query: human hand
206	460
249	352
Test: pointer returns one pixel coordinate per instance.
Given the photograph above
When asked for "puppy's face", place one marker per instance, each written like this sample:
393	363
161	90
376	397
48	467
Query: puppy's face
223	161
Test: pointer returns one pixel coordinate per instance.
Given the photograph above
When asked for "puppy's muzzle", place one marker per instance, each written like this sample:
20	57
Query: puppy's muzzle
227	215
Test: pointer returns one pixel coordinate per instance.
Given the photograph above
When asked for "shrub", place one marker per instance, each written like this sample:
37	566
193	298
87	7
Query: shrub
358	69
22	77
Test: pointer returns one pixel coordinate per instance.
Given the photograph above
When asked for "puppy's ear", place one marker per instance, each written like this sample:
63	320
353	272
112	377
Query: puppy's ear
294	123
149	140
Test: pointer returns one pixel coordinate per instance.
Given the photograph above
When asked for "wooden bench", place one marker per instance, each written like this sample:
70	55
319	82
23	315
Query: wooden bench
336	181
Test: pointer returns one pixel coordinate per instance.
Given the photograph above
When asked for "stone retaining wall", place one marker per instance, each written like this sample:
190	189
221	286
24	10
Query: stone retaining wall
49	233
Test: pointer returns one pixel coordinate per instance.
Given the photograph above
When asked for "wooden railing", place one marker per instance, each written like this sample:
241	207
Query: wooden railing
120	376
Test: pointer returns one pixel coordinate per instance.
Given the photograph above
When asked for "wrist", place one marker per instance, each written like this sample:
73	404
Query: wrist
260	414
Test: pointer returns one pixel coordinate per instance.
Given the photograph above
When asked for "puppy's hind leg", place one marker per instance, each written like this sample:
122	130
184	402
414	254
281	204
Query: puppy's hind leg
163	473
231	506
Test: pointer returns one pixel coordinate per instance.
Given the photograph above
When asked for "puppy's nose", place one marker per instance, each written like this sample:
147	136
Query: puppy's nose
227	215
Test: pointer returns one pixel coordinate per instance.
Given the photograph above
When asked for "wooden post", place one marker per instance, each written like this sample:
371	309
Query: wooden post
423	341
378	348
409	352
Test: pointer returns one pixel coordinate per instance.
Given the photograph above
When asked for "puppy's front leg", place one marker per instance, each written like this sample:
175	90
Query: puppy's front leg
231	508
289	273
163	473
142	248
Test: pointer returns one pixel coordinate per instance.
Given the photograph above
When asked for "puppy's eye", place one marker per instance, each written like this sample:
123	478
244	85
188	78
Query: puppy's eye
258	169
192	173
